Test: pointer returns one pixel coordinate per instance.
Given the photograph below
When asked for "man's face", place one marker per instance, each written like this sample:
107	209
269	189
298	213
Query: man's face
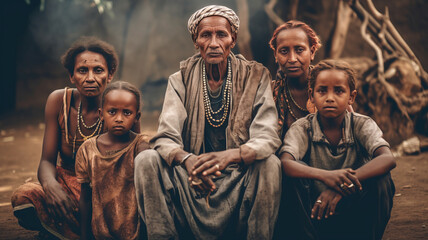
215	39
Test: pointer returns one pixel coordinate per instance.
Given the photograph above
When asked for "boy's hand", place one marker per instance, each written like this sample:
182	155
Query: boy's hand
326	204
343	181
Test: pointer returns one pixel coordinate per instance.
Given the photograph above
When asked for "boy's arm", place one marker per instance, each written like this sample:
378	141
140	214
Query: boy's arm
382	163
332	178
85	204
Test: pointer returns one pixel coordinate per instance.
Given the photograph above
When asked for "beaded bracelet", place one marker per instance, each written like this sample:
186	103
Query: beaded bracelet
185	158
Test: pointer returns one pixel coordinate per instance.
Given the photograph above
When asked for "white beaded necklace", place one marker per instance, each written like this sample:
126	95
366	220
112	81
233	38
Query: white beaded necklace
209	112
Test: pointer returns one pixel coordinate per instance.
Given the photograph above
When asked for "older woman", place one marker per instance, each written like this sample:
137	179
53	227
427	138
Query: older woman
71	117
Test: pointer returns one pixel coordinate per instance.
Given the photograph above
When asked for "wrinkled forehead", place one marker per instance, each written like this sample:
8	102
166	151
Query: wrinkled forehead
214	23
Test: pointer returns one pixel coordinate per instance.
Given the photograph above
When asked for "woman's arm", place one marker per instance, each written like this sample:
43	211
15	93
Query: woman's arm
59	204
85	204
382	163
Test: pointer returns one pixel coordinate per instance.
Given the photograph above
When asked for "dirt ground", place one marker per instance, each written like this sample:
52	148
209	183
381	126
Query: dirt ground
20	147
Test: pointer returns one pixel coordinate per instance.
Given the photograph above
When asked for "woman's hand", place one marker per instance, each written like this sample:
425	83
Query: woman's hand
326	204
60	206
343	181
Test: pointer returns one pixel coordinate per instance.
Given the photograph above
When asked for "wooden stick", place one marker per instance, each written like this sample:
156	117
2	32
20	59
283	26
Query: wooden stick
271	13
396	35
344	15
381	74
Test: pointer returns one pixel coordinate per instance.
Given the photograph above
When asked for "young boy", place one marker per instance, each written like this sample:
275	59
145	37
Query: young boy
336	164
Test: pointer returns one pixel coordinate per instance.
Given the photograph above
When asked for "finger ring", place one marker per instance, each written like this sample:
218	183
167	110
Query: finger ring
196	182
351	186
319	201
217	166
342	185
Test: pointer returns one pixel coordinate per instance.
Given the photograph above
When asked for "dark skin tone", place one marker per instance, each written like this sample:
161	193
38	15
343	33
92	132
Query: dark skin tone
120	114
294	55
331	95
215	41
90	77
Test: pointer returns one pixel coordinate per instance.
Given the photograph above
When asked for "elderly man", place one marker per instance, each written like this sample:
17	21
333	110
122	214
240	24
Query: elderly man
212	173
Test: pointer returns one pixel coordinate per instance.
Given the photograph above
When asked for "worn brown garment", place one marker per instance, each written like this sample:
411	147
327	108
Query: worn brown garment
111	177
29	201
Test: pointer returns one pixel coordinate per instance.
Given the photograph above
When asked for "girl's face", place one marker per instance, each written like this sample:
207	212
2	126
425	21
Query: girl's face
293	53
90	74
331	94
119	111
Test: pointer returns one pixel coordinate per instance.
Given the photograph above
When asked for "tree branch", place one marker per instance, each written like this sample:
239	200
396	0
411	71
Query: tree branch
271	13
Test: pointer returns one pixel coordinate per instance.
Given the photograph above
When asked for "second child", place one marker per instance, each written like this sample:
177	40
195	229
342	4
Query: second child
105	168
336	164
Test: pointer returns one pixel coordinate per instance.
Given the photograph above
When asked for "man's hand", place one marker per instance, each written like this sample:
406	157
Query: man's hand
326	204
60	206
214	162
343	181
197	181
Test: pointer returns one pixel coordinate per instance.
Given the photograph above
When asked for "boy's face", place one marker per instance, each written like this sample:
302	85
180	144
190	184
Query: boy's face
119	111
331	94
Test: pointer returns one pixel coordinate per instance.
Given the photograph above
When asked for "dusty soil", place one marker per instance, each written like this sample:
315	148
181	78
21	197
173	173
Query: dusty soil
20	147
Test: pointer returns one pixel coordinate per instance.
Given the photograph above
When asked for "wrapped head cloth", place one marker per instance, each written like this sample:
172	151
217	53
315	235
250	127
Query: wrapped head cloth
213	10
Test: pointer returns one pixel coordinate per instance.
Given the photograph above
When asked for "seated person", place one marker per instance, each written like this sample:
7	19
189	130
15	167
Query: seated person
213	173
337	165
105	168
71	117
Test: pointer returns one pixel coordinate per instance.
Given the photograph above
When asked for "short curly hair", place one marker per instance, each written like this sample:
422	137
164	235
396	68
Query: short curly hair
91	44
331	64
314	40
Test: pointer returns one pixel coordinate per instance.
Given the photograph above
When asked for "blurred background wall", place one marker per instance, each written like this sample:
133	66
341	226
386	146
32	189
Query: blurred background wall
151	38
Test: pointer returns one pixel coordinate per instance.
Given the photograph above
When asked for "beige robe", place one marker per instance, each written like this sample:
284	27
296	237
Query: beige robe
253	119
246	201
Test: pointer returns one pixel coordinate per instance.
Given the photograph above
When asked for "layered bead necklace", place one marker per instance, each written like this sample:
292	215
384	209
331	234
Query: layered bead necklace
288	94
97	125
209	112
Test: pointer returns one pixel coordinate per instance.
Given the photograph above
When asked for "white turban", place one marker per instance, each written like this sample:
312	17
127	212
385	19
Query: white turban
213	10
